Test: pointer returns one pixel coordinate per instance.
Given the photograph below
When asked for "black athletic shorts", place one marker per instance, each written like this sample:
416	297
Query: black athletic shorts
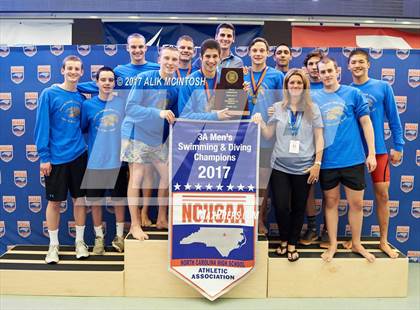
353	177
97	182
66	177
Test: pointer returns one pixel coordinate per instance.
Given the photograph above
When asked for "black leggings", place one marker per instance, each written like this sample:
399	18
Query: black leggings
289	194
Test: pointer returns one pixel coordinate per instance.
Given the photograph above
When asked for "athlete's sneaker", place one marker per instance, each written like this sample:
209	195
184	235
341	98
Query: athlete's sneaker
99	248
82	251
52	255
309	236
118	244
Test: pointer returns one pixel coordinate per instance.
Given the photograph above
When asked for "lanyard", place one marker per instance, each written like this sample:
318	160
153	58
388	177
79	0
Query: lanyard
178	73
256	87
294	121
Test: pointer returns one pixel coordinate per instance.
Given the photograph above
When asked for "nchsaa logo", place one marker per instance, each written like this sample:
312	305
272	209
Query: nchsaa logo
402	233
375	53
348	231
29	50
401	102
9	203
45	229
5	101
31	153
83	49
407	183
31	100
410	131
110	49
93	70
402	53
367	207
388	75
17	74
2	229
57	50
413	256
342	207
415	209
418	158
413	77
374	231
241	51
18	127
387	131
20	178
6	152
71	228
4	51
44	73
24	228
34	203
394	207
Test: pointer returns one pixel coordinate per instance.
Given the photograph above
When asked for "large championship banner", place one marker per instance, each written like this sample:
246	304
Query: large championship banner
26	71
213	203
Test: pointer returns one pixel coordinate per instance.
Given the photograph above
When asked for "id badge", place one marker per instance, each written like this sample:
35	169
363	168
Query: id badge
294	147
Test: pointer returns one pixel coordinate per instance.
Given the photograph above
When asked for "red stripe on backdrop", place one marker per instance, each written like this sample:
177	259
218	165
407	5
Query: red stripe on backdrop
303	36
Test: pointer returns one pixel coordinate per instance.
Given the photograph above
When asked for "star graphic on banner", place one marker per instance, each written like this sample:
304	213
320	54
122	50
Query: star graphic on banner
230	187
219	187
198	186
240	187
177	186
250	187
209	187
187	186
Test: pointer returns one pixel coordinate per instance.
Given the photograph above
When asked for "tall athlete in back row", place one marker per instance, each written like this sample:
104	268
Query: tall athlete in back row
381	102
62	151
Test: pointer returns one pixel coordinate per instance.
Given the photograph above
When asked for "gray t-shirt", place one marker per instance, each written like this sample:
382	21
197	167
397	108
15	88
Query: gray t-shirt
282	159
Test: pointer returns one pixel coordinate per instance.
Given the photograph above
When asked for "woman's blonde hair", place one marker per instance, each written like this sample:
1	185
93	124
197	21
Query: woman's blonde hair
305	103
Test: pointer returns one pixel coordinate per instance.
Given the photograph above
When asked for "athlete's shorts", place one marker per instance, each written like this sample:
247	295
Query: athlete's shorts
381	173
134	151
66	177
352	177
265	157
97	182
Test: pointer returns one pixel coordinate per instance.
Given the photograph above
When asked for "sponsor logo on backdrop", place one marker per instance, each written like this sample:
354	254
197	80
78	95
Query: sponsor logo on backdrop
5	101
6	152
271	50
414	77
387	131
402	53
20	178
413	256
407	183
57	50
318	206
29	50
296	51
44	73
410	131
401	103
346	51
342	207
34	203
388	75
31	153
367	207
9	203
347	233
31	100
41	179
324	50
374	231
418	158
83	50
415	209
375	53
17	74
241	51
402	233
63	206
24	228
394	207
93	70
398	163
45	229
18	127
71	228
2	229
4	51
110	49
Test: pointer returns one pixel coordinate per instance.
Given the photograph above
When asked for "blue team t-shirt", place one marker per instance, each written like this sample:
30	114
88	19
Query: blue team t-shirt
146	100
102	122
58	136
381	101
340	112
